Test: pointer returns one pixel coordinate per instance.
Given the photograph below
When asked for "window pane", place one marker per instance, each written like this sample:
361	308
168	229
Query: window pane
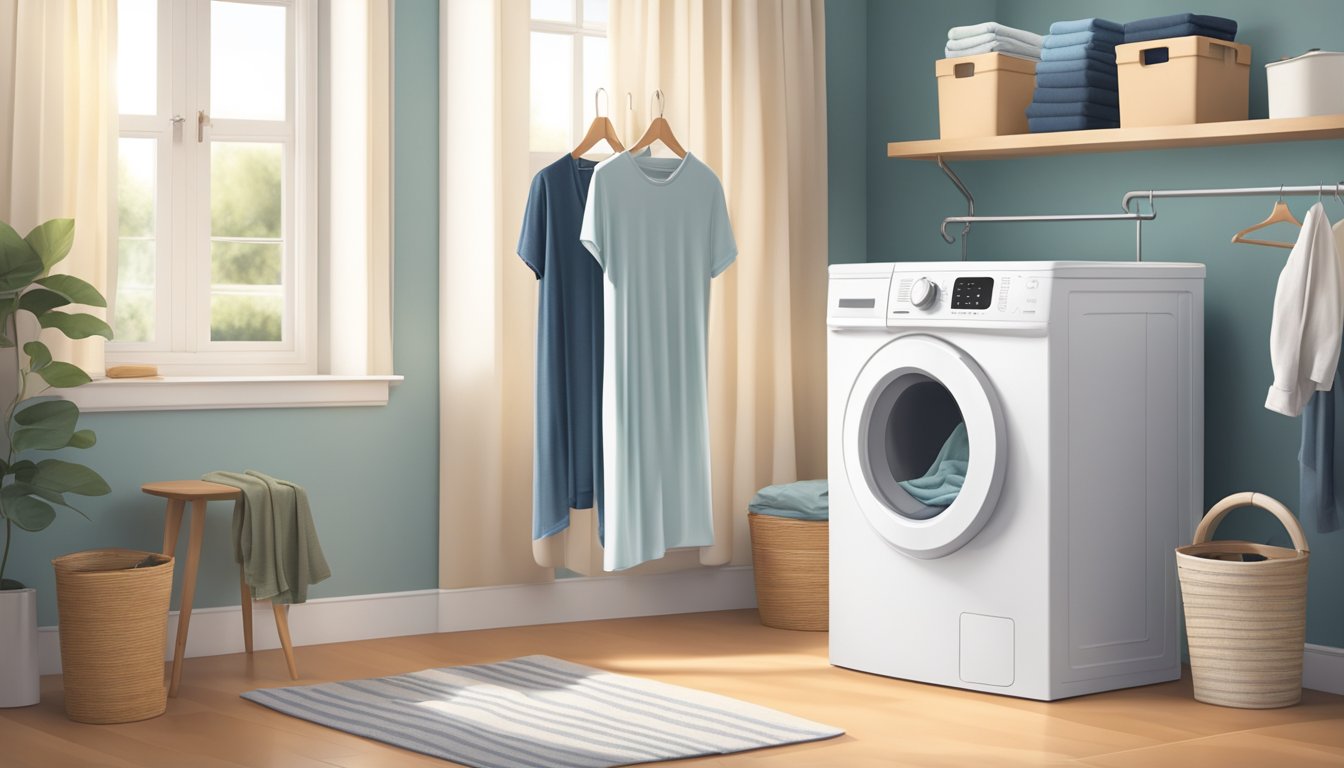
246	296
247	61
595	12
137	57
595	76
245	189
136	246
553	10
551	110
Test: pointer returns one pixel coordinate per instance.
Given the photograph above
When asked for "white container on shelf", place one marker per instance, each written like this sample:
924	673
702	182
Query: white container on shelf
1306	85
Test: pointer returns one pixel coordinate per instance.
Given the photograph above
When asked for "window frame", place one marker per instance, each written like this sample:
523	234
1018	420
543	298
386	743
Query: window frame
182	344
579	29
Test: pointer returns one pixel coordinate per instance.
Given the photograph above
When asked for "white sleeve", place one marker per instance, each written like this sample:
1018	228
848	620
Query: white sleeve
1308	319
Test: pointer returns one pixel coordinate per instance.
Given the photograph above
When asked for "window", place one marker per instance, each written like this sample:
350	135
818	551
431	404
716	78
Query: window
215	217
568	65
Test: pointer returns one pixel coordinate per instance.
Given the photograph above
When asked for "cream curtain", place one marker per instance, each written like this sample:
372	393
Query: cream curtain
487	304
358	162
745	89
58	134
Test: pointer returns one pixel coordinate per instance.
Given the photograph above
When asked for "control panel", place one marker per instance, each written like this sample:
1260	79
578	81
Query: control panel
1005	296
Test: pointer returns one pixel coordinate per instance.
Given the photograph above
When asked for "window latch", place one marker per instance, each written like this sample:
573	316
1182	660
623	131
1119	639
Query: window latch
201	119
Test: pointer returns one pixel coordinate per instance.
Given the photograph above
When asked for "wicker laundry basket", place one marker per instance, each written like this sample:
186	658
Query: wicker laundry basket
792	566
1246	619
114	629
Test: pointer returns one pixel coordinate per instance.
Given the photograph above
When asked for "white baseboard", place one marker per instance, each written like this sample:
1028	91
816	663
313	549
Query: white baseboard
216	631
1323	669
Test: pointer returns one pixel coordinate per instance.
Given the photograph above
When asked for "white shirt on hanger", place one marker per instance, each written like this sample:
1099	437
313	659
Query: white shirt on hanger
1308	320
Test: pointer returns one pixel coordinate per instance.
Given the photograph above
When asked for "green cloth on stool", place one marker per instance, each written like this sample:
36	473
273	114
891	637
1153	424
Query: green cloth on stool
803	500
274	537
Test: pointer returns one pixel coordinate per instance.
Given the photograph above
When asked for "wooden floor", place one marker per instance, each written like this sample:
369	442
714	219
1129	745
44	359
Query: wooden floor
888	722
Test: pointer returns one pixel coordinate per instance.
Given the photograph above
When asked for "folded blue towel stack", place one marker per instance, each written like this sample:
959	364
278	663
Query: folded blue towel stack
1076	86
1180	25
992	37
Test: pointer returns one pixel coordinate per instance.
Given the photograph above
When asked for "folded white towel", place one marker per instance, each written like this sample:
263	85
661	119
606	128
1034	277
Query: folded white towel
979	40
994	28
997	45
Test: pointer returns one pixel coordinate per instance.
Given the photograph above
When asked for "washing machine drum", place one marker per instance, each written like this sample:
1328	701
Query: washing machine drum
902	424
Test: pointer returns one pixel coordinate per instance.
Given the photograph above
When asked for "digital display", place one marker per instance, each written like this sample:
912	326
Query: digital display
972	292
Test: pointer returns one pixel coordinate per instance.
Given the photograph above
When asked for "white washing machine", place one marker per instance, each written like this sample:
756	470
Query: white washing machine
1050	572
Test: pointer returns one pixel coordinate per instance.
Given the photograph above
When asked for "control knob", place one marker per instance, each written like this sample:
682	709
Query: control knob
923	293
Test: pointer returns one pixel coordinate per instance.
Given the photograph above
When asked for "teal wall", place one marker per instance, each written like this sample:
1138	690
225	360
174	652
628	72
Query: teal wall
371	473
1246	446
847	129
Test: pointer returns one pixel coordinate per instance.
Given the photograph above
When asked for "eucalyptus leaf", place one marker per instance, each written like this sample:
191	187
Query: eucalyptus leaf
66	477
46	426
51	240
63	375
40	301
19	263
84	438
75	326
26	512
38	355
74	289
8	306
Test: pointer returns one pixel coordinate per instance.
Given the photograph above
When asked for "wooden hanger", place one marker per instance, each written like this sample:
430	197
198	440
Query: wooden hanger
600	129
659	130
1280	214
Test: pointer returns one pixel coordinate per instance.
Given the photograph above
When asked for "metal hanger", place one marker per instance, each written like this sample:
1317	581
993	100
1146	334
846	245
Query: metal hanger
659	130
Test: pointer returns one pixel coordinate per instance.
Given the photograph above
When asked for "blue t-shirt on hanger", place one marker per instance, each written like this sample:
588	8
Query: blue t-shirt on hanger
567	450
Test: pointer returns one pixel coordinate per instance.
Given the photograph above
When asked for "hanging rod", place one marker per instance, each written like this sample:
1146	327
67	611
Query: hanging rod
1048	217
1336	189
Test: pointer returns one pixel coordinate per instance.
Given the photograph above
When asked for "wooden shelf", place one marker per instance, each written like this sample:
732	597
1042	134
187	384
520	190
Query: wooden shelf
1123	139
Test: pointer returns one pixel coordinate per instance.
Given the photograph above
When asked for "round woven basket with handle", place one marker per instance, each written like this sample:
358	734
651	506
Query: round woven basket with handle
113	607
1245	611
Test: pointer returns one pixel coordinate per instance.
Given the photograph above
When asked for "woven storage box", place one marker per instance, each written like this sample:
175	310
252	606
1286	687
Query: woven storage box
114	629
984	95
792	565
1246	619
1183	80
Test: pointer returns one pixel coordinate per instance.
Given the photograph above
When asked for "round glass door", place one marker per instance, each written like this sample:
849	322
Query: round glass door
924	446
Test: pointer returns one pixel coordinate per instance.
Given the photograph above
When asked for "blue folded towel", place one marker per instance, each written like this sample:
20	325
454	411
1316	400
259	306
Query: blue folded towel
1077	78
1179	30
1075	65
1100	39
941	484
1106	96
1074	52
803	500
1083	25
1074	109
1158	22
1053	124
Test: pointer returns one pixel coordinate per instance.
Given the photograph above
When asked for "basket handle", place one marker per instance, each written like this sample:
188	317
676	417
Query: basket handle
1249	499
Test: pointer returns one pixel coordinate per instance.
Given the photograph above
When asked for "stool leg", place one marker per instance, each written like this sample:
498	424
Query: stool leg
188	590
172	525
282	627
247	609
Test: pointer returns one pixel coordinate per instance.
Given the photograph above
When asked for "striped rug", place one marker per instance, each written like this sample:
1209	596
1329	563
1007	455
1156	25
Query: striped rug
540	712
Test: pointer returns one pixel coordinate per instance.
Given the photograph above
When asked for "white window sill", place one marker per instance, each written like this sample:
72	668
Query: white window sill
195	393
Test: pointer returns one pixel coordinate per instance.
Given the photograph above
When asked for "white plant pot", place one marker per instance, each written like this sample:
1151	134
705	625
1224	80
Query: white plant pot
19	682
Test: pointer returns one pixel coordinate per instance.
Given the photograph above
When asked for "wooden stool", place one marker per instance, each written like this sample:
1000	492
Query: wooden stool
198	492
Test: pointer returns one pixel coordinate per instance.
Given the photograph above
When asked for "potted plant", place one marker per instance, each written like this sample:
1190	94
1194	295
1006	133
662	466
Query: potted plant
32	487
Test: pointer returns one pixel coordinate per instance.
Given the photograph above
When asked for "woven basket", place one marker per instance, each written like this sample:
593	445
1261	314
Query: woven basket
114	629
1246	620
792	566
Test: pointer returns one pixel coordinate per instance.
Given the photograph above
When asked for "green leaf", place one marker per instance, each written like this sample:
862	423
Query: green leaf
6	584
84	438
47	426
26	512
40	301
8	306
19	263
63	375
65	477
52	240
38	354
51	496
23	470
75	326
74	289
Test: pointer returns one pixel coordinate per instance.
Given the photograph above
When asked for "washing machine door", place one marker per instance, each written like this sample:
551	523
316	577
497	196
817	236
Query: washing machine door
902	426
